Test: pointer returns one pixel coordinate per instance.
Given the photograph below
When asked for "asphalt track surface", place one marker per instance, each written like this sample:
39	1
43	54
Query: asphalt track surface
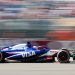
37	68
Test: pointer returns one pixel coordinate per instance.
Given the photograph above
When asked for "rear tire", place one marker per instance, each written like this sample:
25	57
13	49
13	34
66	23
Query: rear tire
63	56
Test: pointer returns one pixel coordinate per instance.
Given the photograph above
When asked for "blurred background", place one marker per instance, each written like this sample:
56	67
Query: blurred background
37	19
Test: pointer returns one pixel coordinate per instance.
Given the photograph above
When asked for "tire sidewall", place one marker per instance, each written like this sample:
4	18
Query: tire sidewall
65	60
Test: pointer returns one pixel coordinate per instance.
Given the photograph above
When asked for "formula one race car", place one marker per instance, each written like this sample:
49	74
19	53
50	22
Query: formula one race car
28	53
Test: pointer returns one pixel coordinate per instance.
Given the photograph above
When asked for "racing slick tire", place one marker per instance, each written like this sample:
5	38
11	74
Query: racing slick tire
2	59
63	56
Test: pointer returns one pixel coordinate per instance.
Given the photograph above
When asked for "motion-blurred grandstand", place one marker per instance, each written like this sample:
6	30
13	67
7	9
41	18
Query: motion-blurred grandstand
48	19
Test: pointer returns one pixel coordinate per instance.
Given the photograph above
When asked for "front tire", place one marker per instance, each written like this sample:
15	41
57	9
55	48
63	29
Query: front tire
2	59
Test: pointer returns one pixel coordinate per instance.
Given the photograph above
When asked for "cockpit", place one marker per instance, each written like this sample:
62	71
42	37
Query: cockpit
24	46
19	46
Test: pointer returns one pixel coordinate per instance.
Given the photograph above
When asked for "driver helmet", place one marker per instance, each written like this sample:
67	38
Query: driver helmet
29	44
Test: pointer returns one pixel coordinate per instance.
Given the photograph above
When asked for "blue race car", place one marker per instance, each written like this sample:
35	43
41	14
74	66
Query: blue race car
28	53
